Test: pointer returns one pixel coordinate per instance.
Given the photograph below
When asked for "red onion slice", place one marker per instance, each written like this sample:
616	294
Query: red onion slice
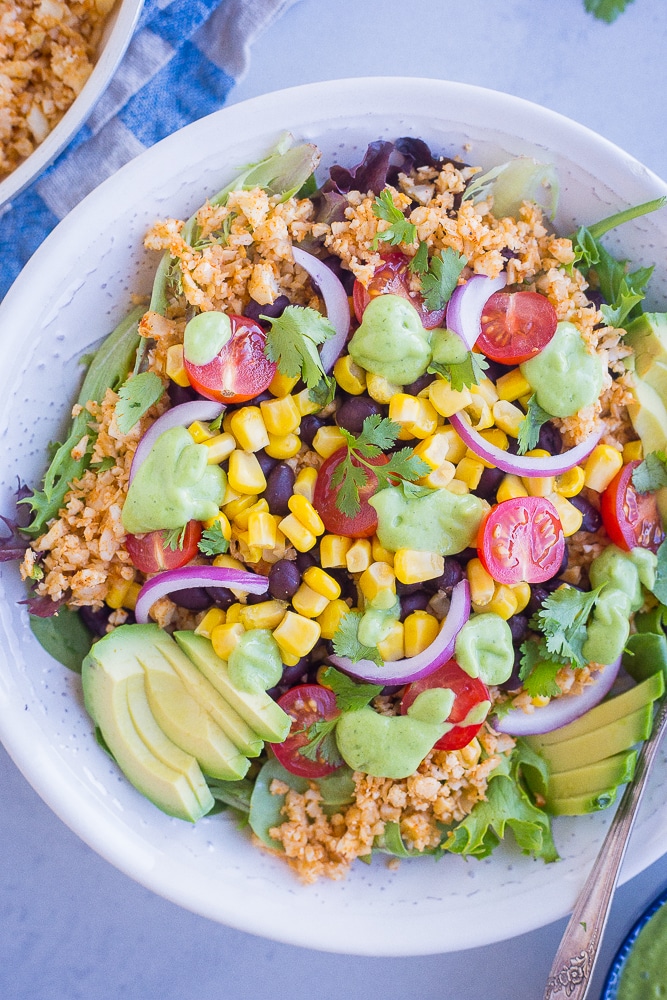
335	302
464	309
178	416
415	667
523	465
195	576
559	711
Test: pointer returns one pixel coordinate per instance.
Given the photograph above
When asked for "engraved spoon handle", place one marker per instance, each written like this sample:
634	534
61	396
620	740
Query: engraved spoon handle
572	969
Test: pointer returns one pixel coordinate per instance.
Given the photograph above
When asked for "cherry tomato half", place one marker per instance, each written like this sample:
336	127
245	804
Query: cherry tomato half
630	519
516	326
468	691
521	540
393	278
240	370
150	553
305	704
365	522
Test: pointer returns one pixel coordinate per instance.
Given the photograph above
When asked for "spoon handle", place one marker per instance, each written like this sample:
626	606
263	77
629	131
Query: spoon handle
572	969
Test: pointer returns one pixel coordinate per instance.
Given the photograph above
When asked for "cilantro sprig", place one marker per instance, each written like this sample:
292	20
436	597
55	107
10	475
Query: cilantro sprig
135	397
346	642
212	541
350	697
378	435
400	230
438	276
292	343
530	426
651	473
461	374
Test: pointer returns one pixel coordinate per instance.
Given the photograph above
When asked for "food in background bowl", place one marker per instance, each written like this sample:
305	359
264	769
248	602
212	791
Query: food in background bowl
213	868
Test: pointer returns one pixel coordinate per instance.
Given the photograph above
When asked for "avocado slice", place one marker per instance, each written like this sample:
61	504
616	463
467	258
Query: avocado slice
647	336
648	414
257	707
597	777
596	744
586	802
106	671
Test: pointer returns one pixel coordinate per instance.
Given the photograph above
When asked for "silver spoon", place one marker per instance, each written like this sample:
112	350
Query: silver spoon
572	969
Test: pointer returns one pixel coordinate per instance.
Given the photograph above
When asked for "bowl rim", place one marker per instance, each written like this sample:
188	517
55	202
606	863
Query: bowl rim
122	22
622	955
42	774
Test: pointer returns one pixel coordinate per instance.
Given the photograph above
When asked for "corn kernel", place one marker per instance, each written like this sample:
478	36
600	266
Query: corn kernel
331	618
412	566
308	602
281	416
219	448
446	400
247	426
522	592
601	466
333	551
280	385
229	562
438	478
328	440
358	557
458	487
379	553
174	367
304	484
479	412
392	646
301	538
131	597
420	630
381	389
305	404
289	660
482	584
433	450
513	386
457	446
225	638
322	583
262	530
350	377
241	503
249	553
404	409
230	495
570	517
296	635
510	488
266	614
496	437
233	614
117	593
538	486
212	618
633	451
486	389
242	517
426	423
227	421
508	417
286	446
378	585
200	432
469	471
504	602
222	521
540	700
302	508
245	473
570	483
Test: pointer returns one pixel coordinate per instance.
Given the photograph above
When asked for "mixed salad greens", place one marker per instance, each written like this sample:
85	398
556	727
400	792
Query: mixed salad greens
392	457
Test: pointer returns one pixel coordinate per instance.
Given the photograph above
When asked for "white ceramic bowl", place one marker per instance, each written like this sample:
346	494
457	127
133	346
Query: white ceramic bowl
71	293
115	40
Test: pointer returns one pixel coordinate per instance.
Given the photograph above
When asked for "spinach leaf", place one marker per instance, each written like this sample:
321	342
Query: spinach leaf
64	636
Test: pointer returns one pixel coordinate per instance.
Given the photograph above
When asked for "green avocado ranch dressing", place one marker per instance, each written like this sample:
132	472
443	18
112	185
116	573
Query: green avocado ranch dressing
644	976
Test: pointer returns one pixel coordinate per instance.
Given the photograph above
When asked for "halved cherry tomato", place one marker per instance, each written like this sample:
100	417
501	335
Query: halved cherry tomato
306	704
630	519
363	524
516	326
521	540
150	553
240	370
393	278
468	691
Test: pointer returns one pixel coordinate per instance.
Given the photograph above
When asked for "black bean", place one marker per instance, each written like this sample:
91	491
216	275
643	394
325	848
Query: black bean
310	425
550	439
193	599
181	394
416	387
538	594
452	575
518	627
407	588
495	370
513	681
284	580
414	602
279	488
266	463
254	310
353	412
348	588
96	621
464	557
255	598
221	597
488	485
591	519
306	559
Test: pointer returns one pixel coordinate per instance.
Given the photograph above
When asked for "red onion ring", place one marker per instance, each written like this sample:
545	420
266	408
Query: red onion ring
177	416
188	577
335	302
559	711
414	667
464	309
523	465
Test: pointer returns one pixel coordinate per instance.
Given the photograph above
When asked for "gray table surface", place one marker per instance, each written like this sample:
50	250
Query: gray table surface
73	927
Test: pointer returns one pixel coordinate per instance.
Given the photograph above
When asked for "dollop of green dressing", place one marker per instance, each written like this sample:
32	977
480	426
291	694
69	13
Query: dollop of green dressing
565	376
621	575
204	337
391	340
440	522
174	485
393	746
644	976
255	663
484	648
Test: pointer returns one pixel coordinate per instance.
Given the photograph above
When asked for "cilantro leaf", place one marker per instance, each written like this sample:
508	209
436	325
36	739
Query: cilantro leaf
419	263
660	585
529	428
562	620
292	343
346	642
461	374
350	695
541	682
324	392
321	745
212	541
404	465
399	230
651	474
606	10
378	432
174	538
348	479
441	278
136	396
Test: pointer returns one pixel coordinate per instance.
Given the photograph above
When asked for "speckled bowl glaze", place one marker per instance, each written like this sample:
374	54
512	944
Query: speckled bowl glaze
73	292
115	40
612	984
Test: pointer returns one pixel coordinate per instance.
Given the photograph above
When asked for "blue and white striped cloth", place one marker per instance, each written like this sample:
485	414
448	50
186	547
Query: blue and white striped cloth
182	62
